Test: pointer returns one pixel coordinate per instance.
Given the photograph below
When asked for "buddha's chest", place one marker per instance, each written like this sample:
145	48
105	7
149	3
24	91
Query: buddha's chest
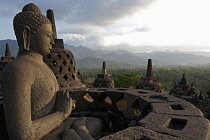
43	91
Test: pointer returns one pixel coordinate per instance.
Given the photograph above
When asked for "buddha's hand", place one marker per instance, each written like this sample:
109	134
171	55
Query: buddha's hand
64	103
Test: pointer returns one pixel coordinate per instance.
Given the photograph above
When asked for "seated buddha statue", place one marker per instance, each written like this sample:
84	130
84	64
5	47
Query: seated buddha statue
34	108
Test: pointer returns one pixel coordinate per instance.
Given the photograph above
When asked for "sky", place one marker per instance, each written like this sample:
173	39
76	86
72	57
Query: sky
133	25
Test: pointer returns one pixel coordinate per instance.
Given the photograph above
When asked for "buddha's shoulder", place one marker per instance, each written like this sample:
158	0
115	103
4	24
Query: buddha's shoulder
19	66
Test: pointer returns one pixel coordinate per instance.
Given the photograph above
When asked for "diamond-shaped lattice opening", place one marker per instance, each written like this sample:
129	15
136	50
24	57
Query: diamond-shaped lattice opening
73	76
69	69
49	56
59	56
108	100
68	55
71	62
88	98
65	77
64	62
176	124
121	104
56	77
54	63
177	107
60	69
136	108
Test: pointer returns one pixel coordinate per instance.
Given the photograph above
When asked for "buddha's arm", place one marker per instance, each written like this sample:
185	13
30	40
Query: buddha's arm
17	103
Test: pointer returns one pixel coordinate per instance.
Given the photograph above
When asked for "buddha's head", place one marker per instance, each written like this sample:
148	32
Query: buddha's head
33	30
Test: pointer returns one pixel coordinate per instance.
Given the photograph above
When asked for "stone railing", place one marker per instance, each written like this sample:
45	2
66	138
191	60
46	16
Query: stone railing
131	114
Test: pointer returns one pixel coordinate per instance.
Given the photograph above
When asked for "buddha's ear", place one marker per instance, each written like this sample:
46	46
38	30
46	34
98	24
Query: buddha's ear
26	38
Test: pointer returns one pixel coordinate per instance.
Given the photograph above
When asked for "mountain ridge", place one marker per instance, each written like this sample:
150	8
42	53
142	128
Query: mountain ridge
86	57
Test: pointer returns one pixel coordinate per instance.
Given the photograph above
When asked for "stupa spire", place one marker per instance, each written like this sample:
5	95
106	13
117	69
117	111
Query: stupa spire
149	68
104	68
50	16
7	51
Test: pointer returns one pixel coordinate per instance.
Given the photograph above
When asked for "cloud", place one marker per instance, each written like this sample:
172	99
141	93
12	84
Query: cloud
102	12
79	22
73	36
98	12
91	41
142	29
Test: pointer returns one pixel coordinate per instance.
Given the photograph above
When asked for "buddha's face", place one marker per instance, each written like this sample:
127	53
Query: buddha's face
42	41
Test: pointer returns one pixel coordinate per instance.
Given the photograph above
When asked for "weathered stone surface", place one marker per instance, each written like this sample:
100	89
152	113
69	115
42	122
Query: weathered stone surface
159	118
139	133
159	98
182	108
185	127
133	106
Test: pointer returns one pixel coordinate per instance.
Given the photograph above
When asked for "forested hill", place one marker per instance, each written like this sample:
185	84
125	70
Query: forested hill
97	63
89	58
139	59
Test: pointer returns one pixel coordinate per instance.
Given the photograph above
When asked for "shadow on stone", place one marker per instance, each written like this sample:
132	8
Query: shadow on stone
159	97
142	92
177	107
176	124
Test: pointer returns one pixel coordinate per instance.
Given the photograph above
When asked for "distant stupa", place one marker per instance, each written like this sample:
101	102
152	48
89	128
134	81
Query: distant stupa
104	80
7	58
149	82
183	88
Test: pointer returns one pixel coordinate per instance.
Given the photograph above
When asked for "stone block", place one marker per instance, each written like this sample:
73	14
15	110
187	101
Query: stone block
155	97
185	127
138	133
182	108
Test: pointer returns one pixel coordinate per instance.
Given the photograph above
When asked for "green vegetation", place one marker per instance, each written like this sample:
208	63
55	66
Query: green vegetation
127	78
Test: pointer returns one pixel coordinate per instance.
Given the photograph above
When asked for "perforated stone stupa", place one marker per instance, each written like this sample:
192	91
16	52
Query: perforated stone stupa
149	82
62	62
104	80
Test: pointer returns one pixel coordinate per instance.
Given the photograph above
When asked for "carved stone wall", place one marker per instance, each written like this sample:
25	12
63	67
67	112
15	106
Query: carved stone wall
131	114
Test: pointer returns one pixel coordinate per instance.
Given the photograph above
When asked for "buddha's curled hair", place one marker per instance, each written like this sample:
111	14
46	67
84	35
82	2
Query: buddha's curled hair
30	16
